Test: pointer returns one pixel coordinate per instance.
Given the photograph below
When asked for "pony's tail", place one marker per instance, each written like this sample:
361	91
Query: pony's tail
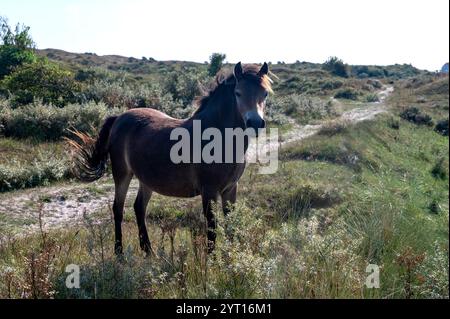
91	155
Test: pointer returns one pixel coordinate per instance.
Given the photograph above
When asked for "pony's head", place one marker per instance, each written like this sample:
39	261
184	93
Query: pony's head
251	90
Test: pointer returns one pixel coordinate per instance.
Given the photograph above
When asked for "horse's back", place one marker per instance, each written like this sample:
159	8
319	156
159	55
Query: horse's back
140	145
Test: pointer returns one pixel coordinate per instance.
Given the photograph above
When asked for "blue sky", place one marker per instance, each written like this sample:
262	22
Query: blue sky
358	31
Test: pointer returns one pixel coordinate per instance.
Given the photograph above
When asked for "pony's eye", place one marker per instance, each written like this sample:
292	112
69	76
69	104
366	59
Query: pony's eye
266	94
238	94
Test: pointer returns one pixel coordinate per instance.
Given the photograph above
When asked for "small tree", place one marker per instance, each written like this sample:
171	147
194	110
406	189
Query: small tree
215	63
16	47
336	66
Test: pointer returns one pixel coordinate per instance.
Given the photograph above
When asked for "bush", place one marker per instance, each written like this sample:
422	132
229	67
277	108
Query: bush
85	75
41	80
184	86
442	127
300	84
332	85
215	63
46	122
393	123
375	83
372	98
413	114
337	67
42	171
363	71
439	169
347	93
112	92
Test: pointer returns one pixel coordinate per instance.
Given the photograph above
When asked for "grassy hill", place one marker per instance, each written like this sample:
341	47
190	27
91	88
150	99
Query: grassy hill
149	66
354	194
309	231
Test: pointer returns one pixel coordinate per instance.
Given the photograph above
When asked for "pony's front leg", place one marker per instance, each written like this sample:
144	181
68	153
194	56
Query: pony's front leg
208	198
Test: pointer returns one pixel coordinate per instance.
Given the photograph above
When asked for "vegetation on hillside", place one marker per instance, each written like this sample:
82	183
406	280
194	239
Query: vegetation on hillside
16	47
365	195
375	192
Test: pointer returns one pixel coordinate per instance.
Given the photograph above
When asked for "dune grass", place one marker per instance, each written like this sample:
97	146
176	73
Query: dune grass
28	163
312	236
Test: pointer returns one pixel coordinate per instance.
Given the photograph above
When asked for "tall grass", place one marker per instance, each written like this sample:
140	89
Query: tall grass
311	237
43	170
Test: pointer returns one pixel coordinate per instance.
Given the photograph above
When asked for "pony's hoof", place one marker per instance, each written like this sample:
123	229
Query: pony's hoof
211	247
149	253
118	250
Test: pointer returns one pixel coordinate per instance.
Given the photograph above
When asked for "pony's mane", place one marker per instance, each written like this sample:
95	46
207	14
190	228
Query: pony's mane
250	72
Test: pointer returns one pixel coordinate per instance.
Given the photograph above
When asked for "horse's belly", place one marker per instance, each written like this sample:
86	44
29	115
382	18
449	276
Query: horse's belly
170	180
188	180
182	192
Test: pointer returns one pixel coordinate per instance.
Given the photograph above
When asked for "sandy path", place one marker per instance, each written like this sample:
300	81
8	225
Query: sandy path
64	204
300	132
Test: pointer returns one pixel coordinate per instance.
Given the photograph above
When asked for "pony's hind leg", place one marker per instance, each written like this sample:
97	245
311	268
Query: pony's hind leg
208	198
122	182
140	207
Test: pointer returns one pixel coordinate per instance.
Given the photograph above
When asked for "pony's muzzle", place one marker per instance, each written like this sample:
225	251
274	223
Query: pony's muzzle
255	121
255	124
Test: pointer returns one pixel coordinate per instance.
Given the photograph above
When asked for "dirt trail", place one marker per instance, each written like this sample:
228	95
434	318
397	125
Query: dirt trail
65	204
300	132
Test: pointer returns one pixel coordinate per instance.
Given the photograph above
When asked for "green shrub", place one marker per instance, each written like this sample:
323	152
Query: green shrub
332	85
439	170
442	127
44	169
112	92
299	85
85	75
184	86
372	97
46	122
375	83
414	115
393	123
364	71
337	67
41	80
347	93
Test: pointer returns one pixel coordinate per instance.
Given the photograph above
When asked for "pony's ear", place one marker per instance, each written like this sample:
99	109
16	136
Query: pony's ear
238	71
264	69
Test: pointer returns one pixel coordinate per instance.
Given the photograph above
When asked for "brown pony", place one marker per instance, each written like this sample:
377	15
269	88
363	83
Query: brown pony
138	144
